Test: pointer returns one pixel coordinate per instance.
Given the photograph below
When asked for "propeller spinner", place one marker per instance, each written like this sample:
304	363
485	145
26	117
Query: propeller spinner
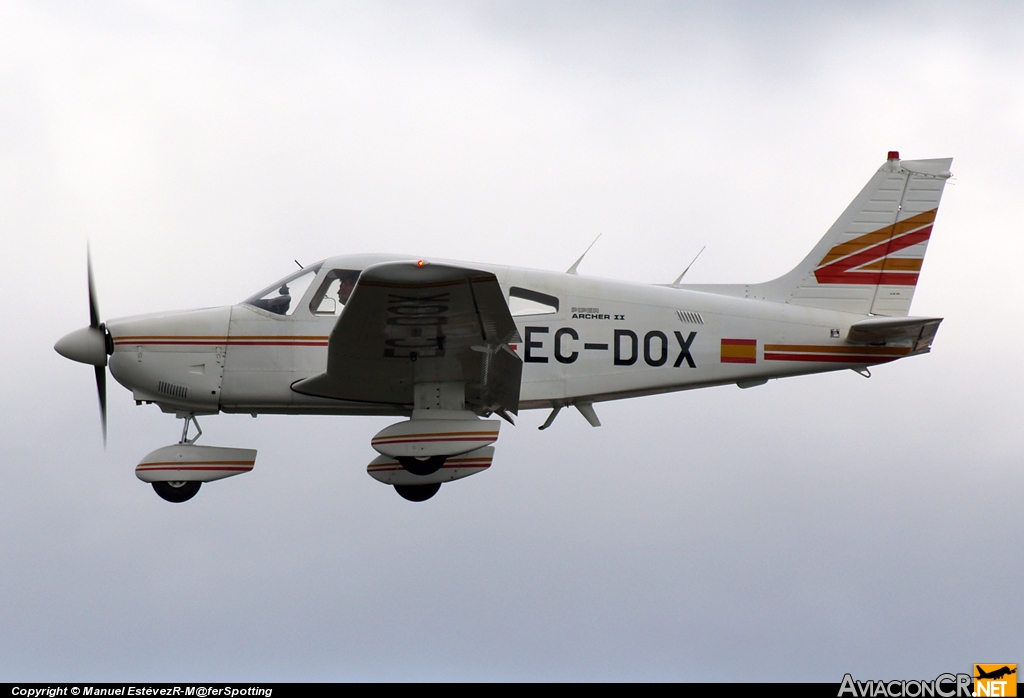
91	345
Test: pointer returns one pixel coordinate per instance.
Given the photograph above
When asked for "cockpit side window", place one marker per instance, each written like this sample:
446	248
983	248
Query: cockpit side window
283	297
523	301
333	292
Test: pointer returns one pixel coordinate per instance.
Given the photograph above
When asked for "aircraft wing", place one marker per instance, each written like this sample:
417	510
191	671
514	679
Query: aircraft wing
886	330
405	323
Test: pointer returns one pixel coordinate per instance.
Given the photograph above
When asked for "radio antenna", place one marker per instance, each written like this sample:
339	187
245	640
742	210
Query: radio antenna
675	284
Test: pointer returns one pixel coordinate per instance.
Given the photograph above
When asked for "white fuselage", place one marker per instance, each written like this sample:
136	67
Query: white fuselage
606	340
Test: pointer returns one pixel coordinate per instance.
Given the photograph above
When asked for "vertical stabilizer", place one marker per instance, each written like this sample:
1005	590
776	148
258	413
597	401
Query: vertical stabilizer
870	259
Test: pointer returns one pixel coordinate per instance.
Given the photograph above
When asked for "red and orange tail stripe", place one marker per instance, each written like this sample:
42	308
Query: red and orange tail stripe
833	354
866	260
214	340
739	351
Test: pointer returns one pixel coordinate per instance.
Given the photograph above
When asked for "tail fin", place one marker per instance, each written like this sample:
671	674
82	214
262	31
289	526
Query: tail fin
870	259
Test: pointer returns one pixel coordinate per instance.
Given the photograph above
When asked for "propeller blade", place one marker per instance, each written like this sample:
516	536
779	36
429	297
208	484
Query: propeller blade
94	323
94	308
101	388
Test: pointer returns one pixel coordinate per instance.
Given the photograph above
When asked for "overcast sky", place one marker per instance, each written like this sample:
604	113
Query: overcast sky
800	530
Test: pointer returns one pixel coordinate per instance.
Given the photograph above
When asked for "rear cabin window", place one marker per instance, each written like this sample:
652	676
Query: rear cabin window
523	302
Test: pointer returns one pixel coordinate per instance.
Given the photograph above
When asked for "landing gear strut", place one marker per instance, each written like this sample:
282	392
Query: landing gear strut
190	418
181	491
416	493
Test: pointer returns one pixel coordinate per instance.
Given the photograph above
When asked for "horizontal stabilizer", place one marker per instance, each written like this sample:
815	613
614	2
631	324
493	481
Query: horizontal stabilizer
891	330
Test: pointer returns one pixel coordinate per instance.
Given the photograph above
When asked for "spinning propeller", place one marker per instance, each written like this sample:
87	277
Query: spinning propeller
91	345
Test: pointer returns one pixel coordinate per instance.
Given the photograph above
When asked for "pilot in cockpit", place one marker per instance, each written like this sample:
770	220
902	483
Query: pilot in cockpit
347	283
334	291
337	283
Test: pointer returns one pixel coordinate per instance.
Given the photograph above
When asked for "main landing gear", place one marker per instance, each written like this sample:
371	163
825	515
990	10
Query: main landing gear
418	493
422	466
441	441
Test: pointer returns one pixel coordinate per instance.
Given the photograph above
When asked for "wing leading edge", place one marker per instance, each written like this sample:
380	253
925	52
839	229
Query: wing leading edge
408	323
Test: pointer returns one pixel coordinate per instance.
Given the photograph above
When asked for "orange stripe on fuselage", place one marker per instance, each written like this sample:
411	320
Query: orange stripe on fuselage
834	349
833	354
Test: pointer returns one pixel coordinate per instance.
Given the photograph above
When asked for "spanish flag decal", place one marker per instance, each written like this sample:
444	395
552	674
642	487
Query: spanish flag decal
739	351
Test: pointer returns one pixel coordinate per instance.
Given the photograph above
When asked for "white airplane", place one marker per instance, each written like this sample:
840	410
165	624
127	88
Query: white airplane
445	345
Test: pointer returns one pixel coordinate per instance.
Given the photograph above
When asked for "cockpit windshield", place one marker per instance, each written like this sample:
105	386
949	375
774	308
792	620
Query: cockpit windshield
283	297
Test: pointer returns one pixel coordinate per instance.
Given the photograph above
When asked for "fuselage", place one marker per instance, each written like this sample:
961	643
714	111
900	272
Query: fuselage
581	339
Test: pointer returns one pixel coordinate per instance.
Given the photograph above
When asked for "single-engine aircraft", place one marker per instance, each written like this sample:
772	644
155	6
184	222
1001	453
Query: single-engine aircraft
446	345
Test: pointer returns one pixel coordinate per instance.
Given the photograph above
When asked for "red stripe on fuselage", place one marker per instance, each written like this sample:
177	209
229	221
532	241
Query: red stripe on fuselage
250	341
831	358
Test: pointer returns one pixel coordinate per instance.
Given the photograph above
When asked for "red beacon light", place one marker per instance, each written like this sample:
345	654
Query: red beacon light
421	263
894	155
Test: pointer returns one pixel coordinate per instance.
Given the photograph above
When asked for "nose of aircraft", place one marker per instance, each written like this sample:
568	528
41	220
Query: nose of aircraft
87	345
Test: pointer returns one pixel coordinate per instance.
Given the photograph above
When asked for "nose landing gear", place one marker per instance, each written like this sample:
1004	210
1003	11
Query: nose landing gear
418	493
177	472
190	418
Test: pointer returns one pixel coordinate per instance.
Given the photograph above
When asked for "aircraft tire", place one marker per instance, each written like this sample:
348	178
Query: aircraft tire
417	493
425	466
178	491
